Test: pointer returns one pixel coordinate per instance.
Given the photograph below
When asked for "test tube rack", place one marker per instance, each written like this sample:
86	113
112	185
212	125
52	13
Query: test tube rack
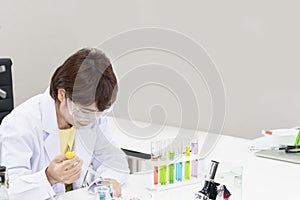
175	163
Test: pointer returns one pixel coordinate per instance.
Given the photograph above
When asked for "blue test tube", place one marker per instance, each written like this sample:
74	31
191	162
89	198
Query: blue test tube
178	165
179	171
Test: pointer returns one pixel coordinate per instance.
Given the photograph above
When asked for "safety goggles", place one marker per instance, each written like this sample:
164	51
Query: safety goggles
83	114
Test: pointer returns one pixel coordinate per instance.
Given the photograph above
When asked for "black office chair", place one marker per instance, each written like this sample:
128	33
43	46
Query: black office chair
6	89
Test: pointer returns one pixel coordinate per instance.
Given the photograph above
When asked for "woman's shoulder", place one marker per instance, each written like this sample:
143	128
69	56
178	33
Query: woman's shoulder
28	110
29	105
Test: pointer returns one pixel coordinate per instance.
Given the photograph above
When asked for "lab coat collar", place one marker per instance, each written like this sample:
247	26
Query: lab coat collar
49	125
48	114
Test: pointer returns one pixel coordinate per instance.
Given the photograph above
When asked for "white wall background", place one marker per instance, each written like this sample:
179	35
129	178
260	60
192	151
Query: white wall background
255	45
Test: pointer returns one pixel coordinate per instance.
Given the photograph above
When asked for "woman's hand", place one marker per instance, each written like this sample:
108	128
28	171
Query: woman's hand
62	170
115	186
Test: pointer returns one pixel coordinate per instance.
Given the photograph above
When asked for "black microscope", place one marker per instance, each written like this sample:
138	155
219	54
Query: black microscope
210	190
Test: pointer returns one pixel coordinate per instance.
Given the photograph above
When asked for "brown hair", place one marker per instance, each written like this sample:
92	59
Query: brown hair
88	77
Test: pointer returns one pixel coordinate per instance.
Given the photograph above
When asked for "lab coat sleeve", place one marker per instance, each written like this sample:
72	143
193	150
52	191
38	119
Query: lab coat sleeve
17	153
109	160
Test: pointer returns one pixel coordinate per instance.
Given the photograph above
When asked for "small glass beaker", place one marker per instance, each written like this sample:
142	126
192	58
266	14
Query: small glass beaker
103	192
232	176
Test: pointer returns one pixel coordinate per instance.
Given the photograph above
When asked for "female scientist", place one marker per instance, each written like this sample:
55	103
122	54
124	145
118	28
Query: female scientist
68	118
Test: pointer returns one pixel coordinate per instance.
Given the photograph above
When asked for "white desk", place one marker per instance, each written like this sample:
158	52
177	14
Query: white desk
262	178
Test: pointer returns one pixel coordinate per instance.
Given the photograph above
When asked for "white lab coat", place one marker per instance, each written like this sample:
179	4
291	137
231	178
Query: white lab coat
30	140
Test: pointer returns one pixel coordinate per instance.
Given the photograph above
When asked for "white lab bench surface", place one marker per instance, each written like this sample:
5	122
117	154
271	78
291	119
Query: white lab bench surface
262	178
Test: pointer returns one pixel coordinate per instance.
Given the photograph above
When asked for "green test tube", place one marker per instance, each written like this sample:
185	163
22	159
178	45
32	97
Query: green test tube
171	173
171	167
187	170
163	175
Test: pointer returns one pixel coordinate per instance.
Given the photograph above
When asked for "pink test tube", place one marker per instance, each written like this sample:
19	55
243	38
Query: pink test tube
194	168
194	149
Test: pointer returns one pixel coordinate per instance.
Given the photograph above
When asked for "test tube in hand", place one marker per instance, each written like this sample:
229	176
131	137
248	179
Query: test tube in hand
69	156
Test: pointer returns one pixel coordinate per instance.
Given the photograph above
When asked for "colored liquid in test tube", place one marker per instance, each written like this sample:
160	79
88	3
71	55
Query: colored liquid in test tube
103	192
171	173
194	149
155	175
179	171
163	175
187	148
180	151
155	150
171	154
154	157
194	168
187	151
171	168
187	170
